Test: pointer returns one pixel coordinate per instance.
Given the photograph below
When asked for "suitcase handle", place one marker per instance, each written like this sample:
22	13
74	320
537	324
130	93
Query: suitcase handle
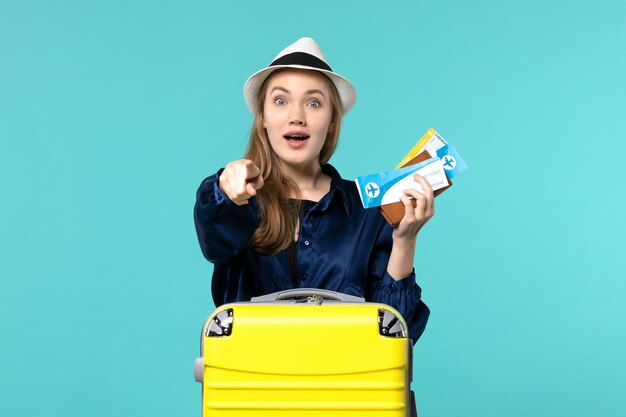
306	292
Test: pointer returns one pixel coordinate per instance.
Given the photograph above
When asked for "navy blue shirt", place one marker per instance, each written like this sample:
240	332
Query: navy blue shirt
341	247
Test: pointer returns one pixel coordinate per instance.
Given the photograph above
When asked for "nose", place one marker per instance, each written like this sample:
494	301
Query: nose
296	117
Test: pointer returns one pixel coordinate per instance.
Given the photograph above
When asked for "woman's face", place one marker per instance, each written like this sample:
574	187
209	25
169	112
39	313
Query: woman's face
296	115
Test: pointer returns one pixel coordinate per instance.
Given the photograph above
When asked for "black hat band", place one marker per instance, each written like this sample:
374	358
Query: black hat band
301	58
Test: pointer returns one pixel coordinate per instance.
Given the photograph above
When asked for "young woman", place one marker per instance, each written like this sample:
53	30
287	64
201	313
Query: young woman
284	218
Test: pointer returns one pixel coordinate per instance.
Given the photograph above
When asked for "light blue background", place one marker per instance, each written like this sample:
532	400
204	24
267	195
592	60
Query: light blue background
111	113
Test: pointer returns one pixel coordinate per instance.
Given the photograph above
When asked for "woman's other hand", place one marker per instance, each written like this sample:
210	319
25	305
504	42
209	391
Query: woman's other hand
240	180
415	217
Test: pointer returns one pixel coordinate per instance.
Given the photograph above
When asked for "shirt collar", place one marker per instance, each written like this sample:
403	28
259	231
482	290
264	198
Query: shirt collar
338	189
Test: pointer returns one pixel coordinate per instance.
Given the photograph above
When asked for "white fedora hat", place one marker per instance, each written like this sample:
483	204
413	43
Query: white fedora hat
305	53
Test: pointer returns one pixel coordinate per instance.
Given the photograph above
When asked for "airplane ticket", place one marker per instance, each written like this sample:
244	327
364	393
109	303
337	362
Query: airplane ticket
387	187
437	146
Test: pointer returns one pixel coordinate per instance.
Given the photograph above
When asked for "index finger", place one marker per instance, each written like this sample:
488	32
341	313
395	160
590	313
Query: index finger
251	170
428	190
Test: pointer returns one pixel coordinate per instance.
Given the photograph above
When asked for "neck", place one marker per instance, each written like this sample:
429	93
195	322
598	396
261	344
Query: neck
311	181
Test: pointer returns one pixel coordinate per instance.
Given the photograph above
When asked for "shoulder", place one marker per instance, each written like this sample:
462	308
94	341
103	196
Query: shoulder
352	201
351	192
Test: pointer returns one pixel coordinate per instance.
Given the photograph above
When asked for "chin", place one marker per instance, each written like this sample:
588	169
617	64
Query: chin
299	162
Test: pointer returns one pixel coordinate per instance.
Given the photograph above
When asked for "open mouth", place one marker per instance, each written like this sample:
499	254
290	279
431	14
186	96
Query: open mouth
296	137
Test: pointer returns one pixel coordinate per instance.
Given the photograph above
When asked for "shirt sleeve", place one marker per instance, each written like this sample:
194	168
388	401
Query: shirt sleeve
404	295
223	227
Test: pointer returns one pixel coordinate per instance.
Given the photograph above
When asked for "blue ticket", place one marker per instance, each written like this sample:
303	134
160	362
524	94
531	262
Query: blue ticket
387	187
452	161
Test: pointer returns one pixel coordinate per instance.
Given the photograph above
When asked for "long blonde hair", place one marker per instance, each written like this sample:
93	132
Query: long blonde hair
277	226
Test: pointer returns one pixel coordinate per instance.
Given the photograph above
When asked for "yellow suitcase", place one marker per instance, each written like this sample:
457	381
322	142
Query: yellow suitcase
305	352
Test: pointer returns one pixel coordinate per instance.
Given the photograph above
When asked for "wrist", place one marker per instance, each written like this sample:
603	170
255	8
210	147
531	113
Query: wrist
404	243
401	258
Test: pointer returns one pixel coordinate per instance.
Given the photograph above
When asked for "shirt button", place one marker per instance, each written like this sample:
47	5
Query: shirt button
306	242
304	277
393	286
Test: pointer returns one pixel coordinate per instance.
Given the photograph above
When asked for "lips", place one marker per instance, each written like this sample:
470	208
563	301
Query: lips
297	135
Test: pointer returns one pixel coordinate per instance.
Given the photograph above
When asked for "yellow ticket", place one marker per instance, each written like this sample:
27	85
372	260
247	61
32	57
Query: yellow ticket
419	147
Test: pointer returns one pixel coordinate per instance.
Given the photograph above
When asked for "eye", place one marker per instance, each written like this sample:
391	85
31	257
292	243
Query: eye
280	101
314	104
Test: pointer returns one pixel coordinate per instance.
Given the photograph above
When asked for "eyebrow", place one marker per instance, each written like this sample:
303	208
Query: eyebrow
306	92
